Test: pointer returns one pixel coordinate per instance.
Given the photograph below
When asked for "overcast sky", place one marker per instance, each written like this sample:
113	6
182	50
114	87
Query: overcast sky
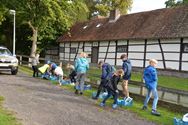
145	5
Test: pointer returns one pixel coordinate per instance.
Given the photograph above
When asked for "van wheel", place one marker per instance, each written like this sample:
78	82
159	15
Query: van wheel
14	72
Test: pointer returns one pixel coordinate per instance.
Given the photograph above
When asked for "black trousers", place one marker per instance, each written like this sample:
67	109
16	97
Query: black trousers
72	77
35	71
101	87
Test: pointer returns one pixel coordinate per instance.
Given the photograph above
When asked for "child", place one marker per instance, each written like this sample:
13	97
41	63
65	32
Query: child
107	71
59	73
150	78
81	67
44	70
34	62
72	74
127	67
112	88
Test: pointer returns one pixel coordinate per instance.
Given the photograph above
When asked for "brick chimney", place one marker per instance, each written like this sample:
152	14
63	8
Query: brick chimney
114	15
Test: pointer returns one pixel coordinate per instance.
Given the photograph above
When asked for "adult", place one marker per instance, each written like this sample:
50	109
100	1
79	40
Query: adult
81	67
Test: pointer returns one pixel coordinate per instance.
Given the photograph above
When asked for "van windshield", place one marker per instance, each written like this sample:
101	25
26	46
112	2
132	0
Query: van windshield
5	52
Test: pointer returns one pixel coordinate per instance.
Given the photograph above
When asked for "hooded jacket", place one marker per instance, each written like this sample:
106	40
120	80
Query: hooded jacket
150	77
127	67
107	71
81	65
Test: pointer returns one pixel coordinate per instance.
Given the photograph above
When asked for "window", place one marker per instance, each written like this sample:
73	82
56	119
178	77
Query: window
73	50
62	49
122	48
185	48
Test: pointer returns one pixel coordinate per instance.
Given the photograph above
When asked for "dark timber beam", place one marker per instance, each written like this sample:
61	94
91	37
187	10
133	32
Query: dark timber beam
162	53
116	53
145	49
181	53
127	48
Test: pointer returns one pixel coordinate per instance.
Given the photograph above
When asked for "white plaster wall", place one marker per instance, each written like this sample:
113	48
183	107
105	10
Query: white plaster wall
112	43
170	40
172	65
110	61
153	48
136	55
157	56
185	57
111	55
74	44
122	42
102	49
119	62
112	49
185	66
87	49
132	42
171	47
171	56
66	55
103	43
66	44
185	40
137	63
61	44
88	43
136	48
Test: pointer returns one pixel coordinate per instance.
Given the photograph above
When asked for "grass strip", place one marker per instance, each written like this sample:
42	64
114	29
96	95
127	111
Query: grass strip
7	117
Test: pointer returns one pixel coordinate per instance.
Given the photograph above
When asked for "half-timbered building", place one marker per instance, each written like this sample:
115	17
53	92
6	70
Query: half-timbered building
161	34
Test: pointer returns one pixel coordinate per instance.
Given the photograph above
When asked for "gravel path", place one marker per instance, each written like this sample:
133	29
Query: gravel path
38	102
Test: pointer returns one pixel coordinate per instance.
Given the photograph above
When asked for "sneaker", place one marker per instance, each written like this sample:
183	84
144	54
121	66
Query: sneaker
81	93
76	92
95	98
128	99
144	108
154	112
114	106
102	104
124	98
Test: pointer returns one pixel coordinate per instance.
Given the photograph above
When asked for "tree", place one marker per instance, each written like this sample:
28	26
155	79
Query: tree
46	18
173	3
103	7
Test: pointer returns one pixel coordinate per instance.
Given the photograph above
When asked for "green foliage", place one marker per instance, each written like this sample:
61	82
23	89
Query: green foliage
173	3
104	6
49	18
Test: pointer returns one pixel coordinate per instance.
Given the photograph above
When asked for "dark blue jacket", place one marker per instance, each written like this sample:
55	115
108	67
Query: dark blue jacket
127	67
107	71
150	77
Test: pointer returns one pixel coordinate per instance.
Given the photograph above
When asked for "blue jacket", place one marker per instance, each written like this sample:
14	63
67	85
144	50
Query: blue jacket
81	65
107	71
127	67
150	77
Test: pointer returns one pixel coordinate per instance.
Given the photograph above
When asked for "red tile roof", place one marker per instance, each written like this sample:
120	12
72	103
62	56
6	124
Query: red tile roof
161	23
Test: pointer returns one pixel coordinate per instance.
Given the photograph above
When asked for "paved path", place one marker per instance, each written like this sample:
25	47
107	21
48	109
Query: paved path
38	102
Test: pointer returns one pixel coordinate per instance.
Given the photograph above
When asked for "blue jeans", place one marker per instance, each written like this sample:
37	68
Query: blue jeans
148	96
80	81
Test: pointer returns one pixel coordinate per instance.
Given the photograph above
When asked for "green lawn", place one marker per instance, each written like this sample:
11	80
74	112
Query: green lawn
165	119
164	81
6	117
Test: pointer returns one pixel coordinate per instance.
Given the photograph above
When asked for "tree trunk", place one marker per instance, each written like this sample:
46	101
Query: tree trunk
34	39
